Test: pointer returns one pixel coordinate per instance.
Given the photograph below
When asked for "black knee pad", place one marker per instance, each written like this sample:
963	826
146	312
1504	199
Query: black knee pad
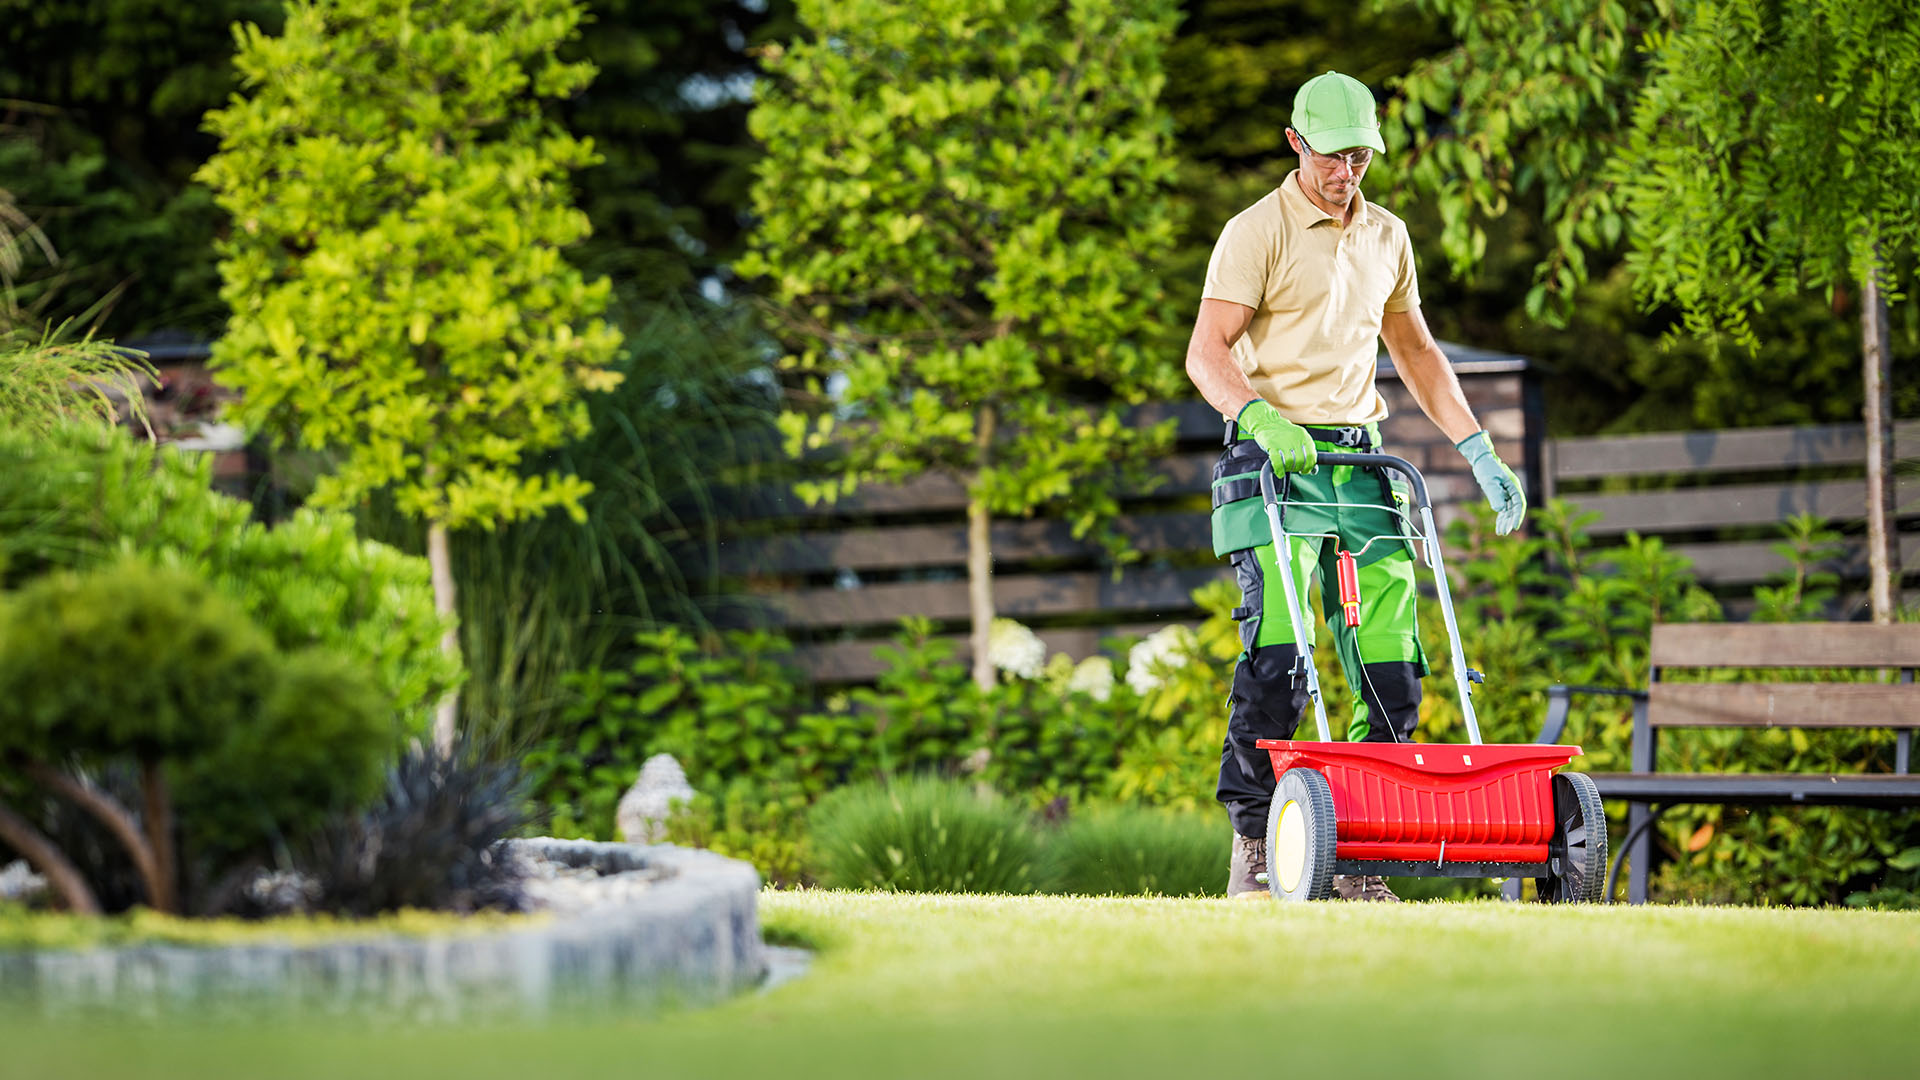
1269	694
1391	690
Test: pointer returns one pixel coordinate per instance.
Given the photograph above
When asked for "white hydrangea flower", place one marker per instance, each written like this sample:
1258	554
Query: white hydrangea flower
1015	649
1093	677
1149	661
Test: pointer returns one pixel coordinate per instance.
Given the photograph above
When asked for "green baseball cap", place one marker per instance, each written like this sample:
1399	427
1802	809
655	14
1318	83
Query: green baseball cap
1335	112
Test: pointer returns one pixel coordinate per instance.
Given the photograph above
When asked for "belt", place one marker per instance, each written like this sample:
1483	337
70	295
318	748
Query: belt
1349	436
1352	436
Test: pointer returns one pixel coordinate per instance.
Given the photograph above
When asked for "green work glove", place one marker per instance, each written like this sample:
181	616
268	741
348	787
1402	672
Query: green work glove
1286	442
1502	488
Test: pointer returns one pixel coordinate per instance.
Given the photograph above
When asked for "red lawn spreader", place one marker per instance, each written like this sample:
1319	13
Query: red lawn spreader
1422	809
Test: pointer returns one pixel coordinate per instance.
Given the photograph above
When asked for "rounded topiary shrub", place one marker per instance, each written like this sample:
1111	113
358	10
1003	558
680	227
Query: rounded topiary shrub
131	658
1135	851
316	747
923	835
82	495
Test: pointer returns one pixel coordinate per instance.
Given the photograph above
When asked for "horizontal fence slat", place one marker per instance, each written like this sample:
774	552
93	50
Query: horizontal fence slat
1786	645
1739	449
946	545
1180	474
1747	562
1732	505
1015	596
1784	704
854	661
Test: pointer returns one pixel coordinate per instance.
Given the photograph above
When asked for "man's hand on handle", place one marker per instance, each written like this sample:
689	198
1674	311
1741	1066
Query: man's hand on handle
1286	442
1502	488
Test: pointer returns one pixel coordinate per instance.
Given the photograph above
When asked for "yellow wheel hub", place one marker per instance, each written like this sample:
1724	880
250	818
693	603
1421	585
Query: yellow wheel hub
1288	857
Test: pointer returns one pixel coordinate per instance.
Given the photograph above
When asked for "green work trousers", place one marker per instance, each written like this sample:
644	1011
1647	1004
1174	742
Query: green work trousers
1332	509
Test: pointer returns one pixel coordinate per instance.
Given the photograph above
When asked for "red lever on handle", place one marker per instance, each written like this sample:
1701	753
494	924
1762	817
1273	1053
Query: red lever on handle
1349	572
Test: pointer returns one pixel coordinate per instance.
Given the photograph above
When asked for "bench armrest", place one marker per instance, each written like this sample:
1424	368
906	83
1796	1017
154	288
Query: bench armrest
1560	702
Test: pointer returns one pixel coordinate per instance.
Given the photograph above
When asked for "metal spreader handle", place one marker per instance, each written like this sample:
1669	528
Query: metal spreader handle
1430	540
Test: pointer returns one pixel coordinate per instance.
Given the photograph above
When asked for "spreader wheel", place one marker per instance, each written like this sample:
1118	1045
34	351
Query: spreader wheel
1577	853
1301	837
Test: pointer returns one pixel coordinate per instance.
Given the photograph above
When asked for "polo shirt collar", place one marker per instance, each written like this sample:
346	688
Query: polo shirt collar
1303	211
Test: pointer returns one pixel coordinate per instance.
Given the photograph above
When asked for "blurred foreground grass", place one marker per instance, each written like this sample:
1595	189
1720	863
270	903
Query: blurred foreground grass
1052	986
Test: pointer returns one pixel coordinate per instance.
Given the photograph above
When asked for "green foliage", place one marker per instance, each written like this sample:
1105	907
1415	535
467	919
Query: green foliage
764	824
395	273
924	835
99	138
46	380
1808	586
427	841
1130	851
129	659
961	211
1812	189
83	494
1172	757
314	749
132	663
1531	99
668	110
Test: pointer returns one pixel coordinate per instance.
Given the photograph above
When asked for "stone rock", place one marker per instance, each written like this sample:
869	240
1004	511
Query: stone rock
19	882
641	817
617	926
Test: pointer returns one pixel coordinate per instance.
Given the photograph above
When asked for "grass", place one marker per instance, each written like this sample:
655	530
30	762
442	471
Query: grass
915	985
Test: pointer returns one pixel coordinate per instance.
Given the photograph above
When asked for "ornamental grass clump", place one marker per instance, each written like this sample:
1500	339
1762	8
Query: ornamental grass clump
924	835
1131	851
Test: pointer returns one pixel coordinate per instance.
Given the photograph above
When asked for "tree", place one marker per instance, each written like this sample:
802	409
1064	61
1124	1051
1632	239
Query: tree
100	105
668	109
962	209
1777	146
1700	157
399	296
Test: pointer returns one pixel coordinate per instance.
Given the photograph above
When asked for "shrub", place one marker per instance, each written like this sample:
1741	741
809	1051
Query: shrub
1139	850
764	824
151	671
924	835
314	750
428	841
83	494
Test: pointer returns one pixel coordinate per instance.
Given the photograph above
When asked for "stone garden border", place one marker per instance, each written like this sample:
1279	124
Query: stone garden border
660	924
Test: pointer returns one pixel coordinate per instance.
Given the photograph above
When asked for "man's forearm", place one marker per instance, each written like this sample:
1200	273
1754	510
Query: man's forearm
1218	377
1429	377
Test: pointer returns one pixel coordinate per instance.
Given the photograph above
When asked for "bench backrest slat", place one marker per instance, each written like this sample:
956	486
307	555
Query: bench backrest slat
1853	645
1854	705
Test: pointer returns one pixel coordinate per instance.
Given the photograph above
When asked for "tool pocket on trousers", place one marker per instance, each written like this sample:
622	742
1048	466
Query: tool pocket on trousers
1252	580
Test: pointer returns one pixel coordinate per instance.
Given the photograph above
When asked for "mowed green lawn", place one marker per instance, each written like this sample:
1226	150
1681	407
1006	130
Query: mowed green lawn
1050	987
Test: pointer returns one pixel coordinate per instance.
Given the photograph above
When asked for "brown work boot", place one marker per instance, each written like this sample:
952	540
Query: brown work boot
1249	859
1363	887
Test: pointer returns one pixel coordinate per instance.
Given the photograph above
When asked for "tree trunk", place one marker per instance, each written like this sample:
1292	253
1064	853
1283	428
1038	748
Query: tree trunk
1883	545
159	811
61	874
446	715
117	819
980	560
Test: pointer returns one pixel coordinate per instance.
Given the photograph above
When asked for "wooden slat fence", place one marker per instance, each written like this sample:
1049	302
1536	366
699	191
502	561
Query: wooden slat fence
1708	493
839	578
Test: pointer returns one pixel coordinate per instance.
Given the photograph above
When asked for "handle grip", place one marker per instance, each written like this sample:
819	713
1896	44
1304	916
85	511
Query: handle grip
1380	461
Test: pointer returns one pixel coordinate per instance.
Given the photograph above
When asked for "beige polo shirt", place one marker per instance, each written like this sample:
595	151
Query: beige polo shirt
1318	291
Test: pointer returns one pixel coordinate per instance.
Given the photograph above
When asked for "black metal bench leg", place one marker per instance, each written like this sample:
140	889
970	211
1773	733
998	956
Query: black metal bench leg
1637	846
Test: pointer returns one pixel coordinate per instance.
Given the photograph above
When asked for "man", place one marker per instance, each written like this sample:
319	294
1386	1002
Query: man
1302	287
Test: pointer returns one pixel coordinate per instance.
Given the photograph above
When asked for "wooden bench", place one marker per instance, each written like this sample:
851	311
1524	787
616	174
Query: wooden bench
1777	704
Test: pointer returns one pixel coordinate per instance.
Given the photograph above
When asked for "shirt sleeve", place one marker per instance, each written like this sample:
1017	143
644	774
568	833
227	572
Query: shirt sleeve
1406	284
1238	268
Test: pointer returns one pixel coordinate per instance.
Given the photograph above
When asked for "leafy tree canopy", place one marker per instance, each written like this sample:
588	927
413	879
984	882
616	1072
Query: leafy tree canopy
395	270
